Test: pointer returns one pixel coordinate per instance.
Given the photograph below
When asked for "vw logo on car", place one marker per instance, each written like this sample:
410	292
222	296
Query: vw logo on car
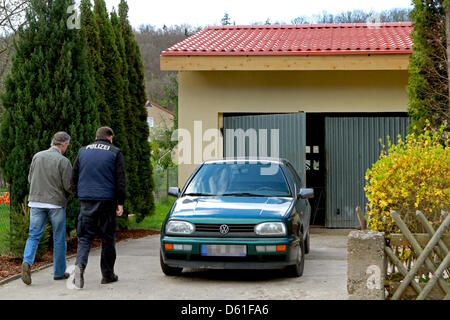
223	229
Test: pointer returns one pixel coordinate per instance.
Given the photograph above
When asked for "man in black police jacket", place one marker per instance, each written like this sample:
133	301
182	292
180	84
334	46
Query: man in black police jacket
98	181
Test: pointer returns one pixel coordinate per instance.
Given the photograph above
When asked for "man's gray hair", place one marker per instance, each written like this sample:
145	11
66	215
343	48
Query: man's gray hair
59	138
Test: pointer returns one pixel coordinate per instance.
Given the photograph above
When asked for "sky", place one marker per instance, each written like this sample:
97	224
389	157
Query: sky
242	12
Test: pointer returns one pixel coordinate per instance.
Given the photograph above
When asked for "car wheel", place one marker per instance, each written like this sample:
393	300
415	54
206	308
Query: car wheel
307	244
297	269
169	271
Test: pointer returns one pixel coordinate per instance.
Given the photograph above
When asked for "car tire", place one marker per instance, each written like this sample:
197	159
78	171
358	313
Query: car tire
296	270
168	270
307	244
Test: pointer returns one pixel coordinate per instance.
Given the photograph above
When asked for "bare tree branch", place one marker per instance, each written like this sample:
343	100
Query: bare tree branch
12	16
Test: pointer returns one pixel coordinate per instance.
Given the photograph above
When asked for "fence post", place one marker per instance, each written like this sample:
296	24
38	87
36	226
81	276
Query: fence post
366	265
167	181
361	219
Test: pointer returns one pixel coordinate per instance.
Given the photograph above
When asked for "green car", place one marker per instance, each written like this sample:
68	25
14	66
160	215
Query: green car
238	214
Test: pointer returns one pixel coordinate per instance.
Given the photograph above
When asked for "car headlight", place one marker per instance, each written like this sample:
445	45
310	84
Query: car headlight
271	229
179	227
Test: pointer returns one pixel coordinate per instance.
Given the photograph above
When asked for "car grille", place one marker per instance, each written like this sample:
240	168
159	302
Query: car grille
235	230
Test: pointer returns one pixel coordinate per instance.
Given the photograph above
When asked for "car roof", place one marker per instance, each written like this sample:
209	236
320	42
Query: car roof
246	160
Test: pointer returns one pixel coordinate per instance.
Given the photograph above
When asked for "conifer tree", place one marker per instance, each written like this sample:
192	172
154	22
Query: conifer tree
130	159
144	200
428	81
90	28
50	88
112	75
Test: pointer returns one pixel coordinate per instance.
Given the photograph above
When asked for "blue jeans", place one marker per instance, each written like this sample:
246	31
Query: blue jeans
38	220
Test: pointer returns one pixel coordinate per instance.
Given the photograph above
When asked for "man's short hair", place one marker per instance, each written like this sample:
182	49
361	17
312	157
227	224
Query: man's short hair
104	132
59	138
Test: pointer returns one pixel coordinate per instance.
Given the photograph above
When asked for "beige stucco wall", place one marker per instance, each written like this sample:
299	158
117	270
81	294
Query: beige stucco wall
205	95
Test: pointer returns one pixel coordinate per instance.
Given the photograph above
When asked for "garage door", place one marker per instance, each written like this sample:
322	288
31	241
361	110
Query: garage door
352	145
267	135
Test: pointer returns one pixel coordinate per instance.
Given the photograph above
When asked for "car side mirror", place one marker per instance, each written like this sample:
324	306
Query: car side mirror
173	191
305	193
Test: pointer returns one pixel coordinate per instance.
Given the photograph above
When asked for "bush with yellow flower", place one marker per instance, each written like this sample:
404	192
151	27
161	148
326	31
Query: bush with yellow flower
413	174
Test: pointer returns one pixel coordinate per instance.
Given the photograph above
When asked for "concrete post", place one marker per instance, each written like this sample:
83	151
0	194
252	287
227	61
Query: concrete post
366	265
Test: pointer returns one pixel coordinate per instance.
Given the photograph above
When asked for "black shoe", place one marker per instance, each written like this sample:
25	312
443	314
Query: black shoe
26	273
109	279
78	280
63	277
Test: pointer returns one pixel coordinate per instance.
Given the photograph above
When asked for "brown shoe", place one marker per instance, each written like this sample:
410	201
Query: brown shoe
26	273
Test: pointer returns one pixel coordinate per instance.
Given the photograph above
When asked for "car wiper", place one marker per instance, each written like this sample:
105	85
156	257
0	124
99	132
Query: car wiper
243	194
198	194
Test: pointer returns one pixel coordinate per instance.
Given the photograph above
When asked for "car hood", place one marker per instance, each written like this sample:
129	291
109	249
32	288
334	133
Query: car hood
230	209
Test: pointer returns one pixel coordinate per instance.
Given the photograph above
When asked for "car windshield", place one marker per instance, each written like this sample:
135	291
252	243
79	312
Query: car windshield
239	179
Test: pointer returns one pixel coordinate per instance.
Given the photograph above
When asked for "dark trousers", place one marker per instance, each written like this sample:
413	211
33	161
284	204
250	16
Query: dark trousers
97	217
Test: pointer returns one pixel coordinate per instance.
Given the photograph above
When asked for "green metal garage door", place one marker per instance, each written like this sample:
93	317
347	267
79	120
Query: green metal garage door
290	138
352	146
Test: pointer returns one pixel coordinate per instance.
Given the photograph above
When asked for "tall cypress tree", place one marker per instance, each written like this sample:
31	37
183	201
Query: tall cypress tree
112	75
90	28
144	199
115	95
49	89
130	160
428	81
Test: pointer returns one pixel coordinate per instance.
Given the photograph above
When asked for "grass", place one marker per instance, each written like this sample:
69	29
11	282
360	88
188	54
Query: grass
154	221
4	221
4	214
4	218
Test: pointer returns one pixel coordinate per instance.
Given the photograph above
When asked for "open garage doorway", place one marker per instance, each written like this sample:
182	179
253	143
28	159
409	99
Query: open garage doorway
315	165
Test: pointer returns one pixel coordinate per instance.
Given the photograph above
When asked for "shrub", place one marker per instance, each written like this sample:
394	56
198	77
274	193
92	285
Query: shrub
411	175
16	238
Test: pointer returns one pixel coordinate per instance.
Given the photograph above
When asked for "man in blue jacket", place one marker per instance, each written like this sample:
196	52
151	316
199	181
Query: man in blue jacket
99	182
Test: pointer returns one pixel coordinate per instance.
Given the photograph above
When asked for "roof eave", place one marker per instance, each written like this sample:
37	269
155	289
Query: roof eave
367	61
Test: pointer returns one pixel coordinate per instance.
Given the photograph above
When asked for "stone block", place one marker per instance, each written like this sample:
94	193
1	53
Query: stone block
366	265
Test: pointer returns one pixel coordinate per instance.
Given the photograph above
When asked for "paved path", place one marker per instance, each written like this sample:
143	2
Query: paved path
140	277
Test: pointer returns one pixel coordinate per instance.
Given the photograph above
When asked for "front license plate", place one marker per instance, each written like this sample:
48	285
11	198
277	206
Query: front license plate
224	250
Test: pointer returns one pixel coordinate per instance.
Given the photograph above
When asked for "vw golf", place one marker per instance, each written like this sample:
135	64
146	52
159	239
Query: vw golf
238	214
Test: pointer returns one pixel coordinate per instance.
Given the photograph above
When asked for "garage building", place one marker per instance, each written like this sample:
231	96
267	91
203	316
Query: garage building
330	90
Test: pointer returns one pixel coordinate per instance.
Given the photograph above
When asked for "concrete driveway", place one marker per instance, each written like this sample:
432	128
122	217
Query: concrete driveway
140	277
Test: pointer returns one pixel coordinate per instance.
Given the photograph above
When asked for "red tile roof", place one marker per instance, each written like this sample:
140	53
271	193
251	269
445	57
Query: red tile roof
312	39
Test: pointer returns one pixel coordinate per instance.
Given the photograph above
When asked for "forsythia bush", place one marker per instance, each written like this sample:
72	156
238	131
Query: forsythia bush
411	175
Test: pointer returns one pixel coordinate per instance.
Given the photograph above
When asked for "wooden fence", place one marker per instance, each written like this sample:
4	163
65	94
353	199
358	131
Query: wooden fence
425	274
